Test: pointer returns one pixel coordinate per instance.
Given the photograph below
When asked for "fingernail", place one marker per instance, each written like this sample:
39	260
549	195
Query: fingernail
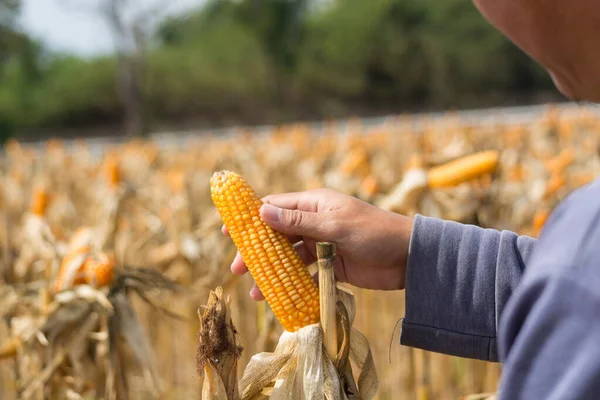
271	213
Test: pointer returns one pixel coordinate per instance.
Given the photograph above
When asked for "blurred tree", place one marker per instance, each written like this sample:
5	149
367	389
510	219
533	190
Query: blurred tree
10	37
8	12
130	22
130	51
278	25
210	66
415	54
264	61
19	68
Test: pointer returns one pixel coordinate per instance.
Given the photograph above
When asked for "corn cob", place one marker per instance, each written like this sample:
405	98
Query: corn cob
71	272
464	169
271	259
559	163
555	183
369	187
539	219
81	265
112	172
40	202
99	270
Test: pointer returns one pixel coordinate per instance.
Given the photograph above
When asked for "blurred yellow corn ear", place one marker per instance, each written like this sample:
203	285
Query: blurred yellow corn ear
555	183
40	201
99	269
71	272
539	219
369	186
273	262
176	179
559	163
462	170
112	172
356	163
83	265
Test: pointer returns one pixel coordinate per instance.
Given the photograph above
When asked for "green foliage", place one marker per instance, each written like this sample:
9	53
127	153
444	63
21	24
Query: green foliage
335	54
8	12
256	60
440	53
206	77
71	92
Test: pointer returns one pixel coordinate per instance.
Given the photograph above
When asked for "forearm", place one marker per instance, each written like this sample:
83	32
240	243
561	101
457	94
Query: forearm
459	278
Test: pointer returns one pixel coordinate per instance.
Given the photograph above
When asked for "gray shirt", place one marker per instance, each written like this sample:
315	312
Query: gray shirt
496	296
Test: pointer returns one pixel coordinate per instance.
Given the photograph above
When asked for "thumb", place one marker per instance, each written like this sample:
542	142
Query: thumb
293	222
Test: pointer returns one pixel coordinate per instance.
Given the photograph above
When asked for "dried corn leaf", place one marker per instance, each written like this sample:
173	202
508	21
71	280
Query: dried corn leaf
213	387
131	329
405	196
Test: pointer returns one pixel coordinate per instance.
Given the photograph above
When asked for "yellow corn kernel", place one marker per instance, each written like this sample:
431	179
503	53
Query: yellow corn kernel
464	169
273	262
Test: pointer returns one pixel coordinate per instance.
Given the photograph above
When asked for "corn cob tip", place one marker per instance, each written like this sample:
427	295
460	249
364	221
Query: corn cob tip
220	175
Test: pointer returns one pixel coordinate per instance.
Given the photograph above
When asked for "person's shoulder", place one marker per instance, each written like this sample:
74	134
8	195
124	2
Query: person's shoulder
581	202
571	238
583	193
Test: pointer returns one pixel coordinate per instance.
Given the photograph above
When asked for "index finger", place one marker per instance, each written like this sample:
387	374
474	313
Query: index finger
303	201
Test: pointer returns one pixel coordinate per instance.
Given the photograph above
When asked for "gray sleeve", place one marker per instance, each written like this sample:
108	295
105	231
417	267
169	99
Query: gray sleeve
459	278
549	340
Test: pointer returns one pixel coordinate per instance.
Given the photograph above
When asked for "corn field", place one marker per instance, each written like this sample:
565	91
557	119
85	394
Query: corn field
106	258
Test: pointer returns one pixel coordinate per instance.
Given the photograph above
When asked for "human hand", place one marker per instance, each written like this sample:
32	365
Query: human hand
372	244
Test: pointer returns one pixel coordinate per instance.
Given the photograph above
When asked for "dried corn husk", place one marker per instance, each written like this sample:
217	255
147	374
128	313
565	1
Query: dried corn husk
406	195
218	350
300	368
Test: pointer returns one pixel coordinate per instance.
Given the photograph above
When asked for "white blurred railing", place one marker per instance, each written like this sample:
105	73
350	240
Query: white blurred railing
479	117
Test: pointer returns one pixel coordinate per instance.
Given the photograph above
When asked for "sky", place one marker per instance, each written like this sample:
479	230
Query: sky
72	25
